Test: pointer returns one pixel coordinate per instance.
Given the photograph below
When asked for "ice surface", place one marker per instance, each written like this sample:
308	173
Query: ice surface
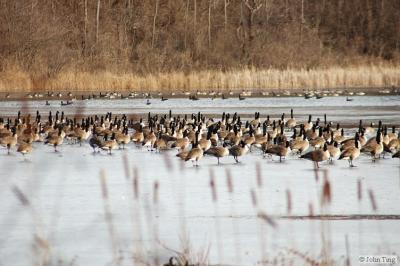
67	208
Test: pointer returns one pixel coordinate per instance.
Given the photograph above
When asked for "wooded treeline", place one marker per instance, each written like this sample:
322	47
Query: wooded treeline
47	36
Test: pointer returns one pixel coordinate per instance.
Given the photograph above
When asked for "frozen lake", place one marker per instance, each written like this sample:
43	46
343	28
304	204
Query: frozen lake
150	203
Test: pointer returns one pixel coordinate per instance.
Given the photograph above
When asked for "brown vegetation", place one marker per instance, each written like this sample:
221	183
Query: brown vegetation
189	44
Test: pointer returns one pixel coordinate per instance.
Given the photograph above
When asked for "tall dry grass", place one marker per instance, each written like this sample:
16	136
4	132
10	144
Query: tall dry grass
14	79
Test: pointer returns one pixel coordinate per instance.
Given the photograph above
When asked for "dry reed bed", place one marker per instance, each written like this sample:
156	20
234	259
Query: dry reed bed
365	76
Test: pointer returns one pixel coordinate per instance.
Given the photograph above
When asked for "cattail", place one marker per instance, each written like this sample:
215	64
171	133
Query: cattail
372	199
316	172
229	181
258	175
263	216
359	190
213	187
253	198
167	161
310	209
20	195
326	192
135	183
126	165
103	184
289	201
155	192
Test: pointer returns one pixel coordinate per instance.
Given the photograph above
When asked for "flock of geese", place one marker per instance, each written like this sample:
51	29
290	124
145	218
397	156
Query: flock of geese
196	135
195	95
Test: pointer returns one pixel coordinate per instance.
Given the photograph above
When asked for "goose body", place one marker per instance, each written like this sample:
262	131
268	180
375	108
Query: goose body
352	152
317	155
218	152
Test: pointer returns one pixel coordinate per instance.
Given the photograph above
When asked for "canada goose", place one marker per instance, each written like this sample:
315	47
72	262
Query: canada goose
262	138
138	136
218	152
109	145
309	124
393	145
279	150
238	150
9	141
149	140
351	153
300	145
55	140
392	135
196	153
24	148
317	155
181	143
160	143
123	138
334	151
340	138
291	123
370	129
205	144
95	142
318	141
374	147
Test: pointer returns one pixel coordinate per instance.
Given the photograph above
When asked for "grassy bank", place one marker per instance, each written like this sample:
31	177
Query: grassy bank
383	75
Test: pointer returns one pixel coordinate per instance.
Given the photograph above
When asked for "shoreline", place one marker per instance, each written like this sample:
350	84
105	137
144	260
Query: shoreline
65	95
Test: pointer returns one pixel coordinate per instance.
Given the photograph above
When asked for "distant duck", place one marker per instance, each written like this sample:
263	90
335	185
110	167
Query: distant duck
194	97
47	103
163	99
319	96
349	99
241	97
148	102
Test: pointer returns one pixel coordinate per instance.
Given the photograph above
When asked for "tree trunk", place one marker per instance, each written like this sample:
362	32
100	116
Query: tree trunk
209	23
186	17
97	20
225	15
85	29
154	25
